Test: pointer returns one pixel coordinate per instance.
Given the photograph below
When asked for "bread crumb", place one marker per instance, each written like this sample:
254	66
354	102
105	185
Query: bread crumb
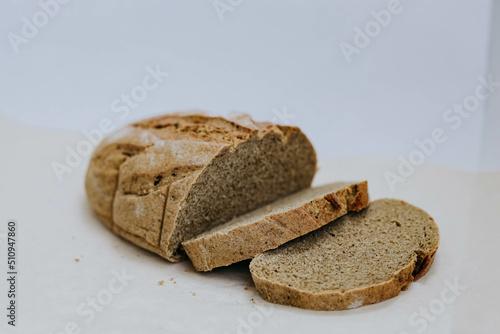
269	208
253	301
175	282
161	282
171	278
77	260
194	293
246	288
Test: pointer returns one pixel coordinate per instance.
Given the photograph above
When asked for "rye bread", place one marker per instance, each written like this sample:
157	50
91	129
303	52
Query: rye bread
273	225
164	180
359	259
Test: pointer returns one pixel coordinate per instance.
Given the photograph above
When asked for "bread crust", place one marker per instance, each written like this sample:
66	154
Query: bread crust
426	265
280	293
247	241
335	301
139	178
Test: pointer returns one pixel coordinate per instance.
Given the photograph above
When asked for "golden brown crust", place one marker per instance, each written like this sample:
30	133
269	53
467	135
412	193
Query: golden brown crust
138	177
361	197
425	266
279	293
102	174
334	300
244	242
333	199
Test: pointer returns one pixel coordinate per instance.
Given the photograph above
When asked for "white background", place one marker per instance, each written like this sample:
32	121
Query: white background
264	56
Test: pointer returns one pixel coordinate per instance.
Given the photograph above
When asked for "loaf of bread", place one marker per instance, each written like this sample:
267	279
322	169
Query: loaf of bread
272	225
164	180
229	189
359	259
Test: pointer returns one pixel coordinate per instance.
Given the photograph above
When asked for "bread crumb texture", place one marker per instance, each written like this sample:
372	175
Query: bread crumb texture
260	230
164	180
359	259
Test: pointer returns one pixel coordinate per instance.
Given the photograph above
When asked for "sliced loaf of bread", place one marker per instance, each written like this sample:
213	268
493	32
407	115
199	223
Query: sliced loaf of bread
164	180
359	259
273	225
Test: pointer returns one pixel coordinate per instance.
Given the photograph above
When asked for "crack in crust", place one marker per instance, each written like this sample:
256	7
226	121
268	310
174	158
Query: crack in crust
334	200
122	165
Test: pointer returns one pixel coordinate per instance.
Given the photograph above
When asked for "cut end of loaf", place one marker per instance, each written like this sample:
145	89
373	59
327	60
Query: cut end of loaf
161	181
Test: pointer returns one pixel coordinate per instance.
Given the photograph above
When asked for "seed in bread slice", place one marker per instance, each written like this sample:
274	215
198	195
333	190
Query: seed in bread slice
273	225
362	258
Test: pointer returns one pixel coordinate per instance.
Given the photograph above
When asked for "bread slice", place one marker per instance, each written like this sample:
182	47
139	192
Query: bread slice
164	180
270	226
359	259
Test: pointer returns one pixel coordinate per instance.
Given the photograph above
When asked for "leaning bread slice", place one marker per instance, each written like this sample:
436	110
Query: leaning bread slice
362	258
273	225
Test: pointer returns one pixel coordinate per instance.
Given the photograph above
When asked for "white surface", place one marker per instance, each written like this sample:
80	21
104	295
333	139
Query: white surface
57	226
265	55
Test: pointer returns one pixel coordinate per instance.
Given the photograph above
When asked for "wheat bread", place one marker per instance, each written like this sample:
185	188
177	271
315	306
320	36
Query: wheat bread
359	259
273	225
164	180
